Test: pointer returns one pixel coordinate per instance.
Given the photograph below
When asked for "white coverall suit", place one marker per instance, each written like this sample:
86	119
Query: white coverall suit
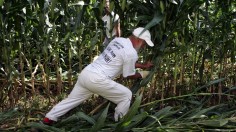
118	58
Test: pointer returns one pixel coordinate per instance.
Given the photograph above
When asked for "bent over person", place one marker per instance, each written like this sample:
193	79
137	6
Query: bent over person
119	57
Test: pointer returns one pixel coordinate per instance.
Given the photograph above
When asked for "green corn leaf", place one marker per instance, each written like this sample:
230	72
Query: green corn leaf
143	17
163	112
228	113
210	83
232	88
76	117
158	116
123	5
136	120
94	40
136	86
131	113
86	117
185	117
8	115
44	128
156	19
101	120
54	2
201	113
101	6
65	39
1	2
149	121
214	123
194	102
162	6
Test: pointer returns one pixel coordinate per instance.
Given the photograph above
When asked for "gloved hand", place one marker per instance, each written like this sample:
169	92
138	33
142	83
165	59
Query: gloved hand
144	74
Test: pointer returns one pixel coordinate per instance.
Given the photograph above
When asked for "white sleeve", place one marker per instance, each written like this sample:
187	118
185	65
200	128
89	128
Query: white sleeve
129	67
116	18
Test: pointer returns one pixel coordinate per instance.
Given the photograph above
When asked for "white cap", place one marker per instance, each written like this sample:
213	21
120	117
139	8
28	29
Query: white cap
145	35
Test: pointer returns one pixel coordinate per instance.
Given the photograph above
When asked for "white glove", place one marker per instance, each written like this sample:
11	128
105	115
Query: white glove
144	73
95	58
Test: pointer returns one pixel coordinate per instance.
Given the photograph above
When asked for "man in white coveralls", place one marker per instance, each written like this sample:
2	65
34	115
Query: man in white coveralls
119	57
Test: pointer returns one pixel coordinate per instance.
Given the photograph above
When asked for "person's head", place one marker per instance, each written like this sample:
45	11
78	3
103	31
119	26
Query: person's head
140	38
107	7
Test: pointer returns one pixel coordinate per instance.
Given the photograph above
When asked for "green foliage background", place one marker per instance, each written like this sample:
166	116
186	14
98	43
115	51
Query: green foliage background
45	45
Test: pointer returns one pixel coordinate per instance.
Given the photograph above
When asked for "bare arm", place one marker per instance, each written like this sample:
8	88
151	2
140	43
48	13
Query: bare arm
135	76
117	27
144	66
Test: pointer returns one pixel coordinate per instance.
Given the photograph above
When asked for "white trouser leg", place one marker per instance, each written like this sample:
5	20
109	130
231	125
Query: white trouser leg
88	83
110	90
76	97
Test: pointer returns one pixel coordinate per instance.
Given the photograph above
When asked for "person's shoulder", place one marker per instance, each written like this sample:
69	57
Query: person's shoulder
117	17
113	14
121	39
125	42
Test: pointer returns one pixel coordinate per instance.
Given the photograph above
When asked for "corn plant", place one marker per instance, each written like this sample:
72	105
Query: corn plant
45	45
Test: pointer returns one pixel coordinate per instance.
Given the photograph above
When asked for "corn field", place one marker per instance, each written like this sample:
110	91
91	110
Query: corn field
192	87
